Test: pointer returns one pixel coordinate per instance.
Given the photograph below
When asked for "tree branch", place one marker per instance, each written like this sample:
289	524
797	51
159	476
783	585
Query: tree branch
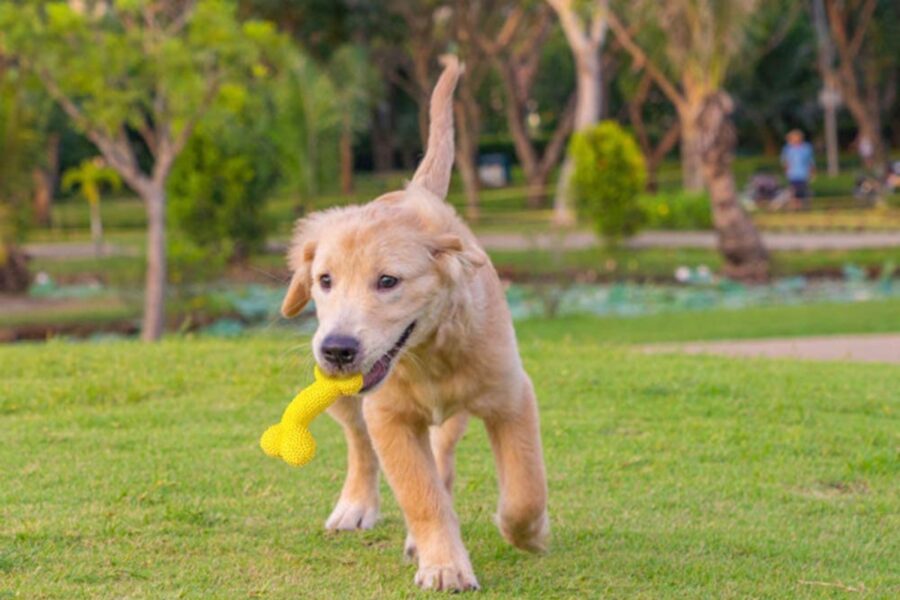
557	143
862	25
642	60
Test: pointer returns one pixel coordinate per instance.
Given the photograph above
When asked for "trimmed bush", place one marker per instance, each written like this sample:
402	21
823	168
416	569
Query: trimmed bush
608	177
677	210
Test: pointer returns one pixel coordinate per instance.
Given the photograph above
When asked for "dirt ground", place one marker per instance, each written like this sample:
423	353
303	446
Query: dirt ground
855	348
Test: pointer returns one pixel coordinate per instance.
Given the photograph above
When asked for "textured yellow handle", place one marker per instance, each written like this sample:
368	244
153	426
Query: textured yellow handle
290	439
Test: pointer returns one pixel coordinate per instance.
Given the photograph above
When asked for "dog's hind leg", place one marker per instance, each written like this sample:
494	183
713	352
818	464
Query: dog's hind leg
516	440
443	445
357	507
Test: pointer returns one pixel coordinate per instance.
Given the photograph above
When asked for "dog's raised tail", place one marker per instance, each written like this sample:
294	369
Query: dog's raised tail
433	173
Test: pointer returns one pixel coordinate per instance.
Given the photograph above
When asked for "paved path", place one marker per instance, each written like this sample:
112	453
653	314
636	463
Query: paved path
825	240
830	240
75	250
881	348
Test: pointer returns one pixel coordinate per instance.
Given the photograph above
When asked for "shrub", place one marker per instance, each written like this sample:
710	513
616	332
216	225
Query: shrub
219	186
677	210
608	176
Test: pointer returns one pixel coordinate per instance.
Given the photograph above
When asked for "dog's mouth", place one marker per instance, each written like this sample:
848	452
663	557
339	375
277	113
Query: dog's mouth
382	366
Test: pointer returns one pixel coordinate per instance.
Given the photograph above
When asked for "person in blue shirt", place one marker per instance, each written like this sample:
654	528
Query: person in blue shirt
799	165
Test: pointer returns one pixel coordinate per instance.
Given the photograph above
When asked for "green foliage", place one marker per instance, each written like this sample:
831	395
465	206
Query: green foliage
356	85
21	122
220	184
306	124
90	177
609	174
677	210
190	263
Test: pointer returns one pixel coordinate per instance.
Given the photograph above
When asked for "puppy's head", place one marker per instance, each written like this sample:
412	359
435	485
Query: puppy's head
383	277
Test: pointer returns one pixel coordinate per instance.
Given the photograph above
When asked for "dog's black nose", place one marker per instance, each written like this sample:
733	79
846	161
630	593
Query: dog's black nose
340	350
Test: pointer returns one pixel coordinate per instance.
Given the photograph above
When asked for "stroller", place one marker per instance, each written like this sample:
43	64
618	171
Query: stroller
870	190
764	191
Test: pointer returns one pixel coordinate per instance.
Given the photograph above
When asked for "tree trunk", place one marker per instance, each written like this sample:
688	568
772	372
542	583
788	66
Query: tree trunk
45	182
829	105
14	276
739	242
42	197
868	123
829	95
96	229
469	174
382	138
691	152
155	286
466	148
346	151
587	110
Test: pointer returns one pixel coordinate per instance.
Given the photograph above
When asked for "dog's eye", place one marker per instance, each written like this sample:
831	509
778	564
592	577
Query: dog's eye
386	282
325	281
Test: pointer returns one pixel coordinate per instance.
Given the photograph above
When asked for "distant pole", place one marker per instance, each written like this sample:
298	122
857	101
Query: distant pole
830	98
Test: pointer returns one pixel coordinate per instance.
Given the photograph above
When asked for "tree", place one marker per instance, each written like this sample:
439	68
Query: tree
584	24
355	92
135	77
701	39
306	124
775	81
19	149
431	27
866	52
514	47
89	177
654	150
830	96
693	44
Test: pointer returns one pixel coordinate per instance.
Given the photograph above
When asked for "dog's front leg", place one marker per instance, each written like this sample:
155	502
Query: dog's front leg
357	507
401	441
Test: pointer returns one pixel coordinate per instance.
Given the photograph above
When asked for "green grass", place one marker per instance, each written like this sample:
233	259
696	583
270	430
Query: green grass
133	471
770	321
660	263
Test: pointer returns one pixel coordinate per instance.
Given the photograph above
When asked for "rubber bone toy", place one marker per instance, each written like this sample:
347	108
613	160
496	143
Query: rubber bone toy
290	439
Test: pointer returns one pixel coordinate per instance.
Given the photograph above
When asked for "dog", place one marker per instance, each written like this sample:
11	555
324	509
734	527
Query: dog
405	295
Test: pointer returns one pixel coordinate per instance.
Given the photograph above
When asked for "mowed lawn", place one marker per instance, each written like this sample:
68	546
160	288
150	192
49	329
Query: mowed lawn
129	470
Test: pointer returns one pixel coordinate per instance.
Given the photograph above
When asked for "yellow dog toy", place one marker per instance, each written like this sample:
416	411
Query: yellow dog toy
290	439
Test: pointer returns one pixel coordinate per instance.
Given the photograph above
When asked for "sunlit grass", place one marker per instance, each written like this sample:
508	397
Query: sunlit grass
133	470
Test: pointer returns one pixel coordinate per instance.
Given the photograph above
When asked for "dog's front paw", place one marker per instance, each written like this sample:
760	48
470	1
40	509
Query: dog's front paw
350	515
446	578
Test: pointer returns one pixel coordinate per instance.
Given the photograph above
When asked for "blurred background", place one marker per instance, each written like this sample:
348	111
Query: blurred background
615	158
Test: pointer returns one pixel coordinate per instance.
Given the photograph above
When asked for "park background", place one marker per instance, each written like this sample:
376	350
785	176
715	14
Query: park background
619	161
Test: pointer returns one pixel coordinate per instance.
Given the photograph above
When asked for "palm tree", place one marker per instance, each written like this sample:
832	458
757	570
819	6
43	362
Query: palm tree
688	47
89	177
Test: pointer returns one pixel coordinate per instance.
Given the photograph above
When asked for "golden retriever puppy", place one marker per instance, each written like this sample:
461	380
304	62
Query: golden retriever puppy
405	295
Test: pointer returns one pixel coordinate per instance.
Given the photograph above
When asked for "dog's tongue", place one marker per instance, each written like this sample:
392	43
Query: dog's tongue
378	372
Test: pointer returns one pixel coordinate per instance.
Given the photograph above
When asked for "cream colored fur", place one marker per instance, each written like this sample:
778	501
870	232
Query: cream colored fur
460	360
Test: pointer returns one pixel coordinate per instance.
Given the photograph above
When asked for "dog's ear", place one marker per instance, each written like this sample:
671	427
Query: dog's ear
300	257
458	256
